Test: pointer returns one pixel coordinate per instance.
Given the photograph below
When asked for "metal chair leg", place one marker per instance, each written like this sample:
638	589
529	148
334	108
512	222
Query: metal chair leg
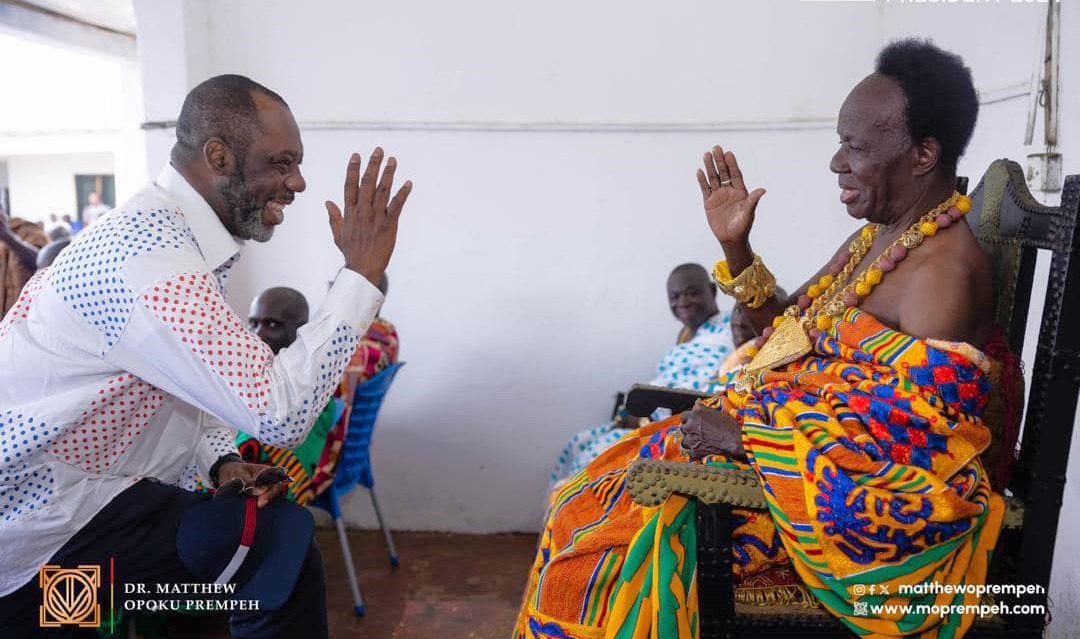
358	602
394	559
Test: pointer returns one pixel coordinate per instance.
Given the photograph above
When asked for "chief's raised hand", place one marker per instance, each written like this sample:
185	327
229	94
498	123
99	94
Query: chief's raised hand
728	206
367	229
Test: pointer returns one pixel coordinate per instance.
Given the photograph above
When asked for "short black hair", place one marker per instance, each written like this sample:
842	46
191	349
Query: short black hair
290	301
696	269
690	267
221	107
941	99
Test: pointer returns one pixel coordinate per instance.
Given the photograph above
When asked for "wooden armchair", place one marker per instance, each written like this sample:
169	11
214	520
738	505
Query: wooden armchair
1012	226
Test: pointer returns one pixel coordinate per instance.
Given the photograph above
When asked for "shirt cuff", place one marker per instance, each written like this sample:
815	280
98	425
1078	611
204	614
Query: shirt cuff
353	300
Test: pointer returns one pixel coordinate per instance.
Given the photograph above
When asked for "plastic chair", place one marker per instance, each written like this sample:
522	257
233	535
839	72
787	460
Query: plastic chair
354	468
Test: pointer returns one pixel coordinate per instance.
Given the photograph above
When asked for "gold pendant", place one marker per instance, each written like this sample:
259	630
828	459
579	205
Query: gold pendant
788	343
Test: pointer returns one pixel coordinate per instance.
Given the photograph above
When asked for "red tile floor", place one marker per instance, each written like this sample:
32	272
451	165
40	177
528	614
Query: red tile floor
447	586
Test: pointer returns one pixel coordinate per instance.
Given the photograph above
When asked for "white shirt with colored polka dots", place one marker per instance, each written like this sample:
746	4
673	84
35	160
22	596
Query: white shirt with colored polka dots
123	361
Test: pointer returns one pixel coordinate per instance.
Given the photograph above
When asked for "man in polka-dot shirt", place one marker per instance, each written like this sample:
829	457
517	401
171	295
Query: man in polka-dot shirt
121	363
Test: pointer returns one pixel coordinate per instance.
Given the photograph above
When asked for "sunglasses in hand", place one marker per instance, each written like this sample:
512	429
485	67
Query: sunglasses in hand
267	477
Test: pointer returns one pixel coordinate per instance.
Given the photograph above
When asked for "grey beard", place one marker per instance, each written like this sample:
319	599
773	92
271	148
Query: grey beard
245	211
250	226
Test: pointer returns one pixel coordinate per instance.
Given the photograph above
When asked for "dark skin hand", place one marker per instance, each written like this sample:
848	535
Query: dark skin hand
366	230
707	431
248	472
942	290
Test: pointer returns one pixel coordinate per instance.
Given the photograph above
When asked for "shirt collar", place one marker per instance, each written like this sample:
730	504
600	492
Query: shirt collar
217	245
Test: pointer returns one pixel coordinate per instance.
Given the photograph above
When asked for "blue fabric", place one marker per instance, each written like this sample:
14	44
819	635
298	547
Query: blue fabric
209	533
354	465
692	365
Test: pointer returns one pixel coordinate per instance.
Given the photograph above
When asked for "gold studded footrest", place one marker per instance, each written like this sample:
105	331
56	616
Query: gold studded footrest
651	481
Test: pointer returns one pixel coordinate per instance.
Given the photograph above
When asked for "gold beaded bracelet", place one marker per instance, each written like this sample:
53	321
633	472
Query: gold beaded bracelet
751	288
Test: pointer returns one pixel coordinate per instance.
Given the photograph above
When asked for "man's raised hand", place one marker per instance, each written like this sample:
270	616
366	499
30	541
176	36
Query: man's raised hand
366	231
728	206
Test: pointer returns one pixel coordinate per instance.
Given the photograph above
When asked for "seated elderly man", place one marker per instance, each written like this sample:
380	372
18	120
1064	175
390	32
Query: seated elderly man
275	316
861	413
704	343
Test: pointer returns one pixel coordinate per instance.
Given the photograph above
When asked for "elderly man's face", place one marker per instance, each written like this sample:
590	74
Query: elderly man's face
873	161
268	177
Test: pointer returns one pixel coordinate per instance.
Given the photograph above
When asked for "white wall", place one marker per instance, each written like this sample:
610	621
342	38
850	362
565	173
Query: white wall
553	149
44	184
67	111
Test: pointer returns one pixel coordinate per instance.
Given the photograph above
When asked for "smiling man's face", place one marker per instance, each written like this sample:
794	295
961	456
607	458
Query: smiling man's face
267	177
873	162
691	296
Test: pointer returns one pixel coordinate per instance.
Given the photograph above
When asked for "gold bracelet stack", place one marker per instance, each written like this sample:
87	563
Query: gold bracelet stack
751	288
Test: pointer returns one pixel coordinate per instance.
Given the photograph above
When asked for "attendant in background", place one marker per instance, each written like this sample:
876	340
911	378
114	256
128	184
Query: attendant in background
275	316
56	228
94	208
74	225
702	346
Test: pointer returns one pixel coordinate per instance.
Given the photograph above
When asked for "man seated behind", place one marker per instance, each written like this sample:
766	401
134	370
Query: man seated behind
275	316
703	345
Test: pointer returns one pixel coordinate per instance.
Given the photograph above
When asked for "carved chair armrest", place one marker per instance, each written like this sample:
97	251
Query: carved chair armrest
642	399
651	481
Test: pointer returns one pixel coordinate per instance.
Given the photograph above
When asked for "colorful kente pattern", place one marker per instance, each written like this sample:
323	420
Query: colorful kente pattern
867	450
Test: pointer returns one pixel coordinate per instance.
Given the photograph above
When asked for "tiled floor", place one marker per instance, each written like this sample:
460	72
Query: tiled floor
447	587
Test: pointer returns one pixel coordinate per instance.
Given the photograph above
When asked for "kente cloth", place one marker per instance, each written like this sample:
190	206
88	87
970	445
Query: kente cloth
312	464
585	545
13	275
378	349
867	450
300	462
692	364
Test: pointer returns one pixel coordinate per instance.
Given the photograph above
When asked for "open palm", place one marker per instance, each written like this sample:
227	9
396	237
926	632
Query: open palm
729	208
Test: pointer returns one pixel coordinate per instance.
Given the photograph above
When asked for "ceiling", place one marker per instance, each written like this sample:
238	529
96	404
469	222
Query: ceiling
116	15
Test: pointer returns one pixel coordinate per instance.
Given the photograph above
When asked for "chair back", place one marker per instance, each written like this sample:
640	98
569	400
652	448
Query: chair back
1012	227
354	466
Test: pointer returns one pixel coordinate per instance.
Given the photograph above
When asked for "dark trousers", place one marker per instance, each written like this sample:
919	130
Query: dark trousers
137	530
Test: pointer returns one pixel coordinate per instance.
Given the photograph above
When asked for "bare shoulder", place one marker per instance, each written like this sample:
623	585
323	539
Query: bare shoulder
956	251
952	292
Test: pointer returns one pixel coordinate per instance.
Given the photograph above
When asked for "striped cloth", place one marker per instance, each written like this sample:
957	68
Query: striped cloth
868	452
